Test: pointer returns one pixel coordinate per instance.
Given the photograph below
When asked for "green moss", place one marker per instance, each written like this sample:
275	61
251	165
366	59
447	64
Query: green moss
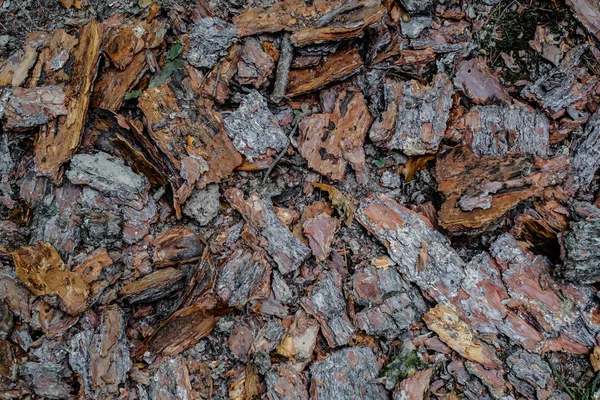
404	365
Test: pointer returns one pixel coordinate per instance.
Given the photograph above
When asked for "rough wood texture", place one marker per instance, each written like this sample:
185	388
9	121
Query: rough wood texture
28	108
111	87
347	374
586	154
494	131
153	286
56	144
493	187
200	149
338	66
415	117
42	270
330	140
284	248
437	270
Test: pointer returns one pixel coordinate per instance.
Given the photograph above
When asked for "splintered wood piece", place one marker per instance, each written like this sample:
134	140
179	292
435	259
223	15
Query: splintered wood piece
342	26
36	106
199	148
285	249
458	335
55	52
153	286
329	140
44	273
111	87
56	143
183	329
287	14
338	66
480	191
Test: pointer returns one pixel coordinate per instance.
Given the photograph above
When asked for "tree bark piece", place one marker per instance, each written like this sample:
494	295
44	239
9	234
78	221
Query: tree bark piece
176	245
199	149
320	231
284	248
414	387
338	66
415	117
42	270
580	252
391	304
422	253
113	85
284	383
154	286
110	176
244	277
254	130
480	191
586	154
494	131
326	303
329	140
182	330
101	358
476	80
55	145
458	335
347	374
28	108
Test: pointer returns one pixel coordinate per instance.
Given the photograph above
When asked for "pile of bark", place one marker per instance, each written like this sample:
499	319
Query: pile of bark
297	199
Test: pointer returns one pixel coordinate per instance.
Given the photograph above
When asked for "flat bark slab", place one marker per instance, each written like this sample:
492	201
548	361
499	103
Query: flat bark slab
580	253
255	132
285	249
257	61
101	357
588	14
391	304
31	107
110	176
414	387
245	276
479	191
327	305
586	154
415	117
56	143
347	374
423	254
476	80
44	273
284	382
330	141
494	131
320	231
338	66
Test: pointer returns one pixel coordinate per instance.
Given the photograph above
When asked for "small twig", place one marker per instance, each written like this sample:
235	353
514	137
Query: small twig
281	154
283	68
214	92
